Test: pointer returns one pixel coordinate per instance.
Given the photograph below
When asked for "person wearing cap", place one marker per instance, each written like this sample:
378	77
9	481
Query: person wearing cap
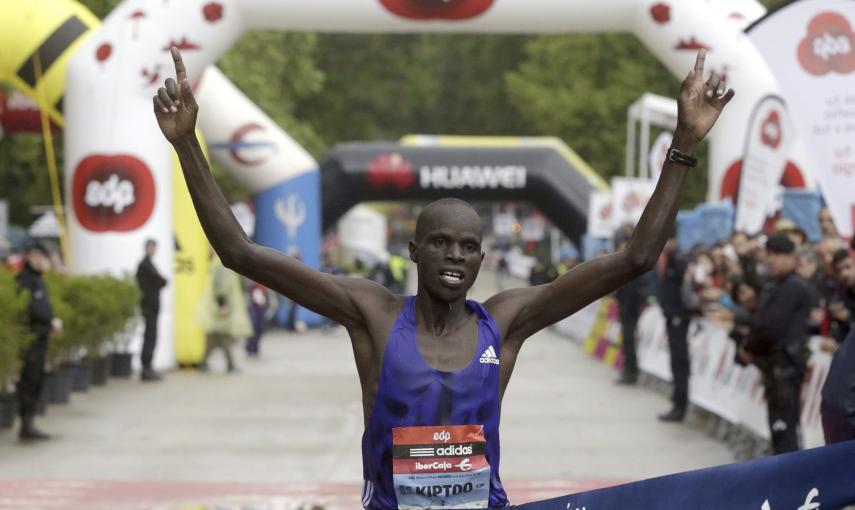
777	342
42	324
789	228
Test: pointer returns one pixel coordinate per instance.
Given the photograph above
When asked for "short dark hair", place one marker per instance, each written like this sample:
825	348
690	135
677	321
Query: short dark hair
839	256
31	245
780	243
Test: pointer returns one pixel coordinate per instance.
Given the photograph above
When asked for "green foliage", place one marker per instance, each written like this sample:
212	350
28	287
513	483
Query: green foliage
383	86
100	8
92	309
14	334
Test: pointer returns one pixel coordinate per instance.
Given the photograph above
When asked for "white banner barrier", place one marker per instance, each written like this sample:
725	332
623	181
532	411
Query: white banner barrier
717	383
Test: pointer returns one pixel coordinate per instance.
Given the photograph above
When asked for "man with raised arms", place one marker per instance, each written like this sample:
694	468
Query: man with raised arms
433	367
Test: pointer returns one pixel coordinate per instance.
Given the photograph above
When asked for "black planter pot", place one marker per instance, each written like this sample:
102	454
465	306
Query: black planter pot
121	364
8	410
100	370
82	375
61	385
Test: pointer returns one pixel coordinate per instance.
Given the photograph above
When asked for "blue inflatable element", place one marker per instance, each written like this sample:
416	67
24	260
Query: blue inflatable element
717	220
802	208
818	479
593	246
705	225
288	218
690	230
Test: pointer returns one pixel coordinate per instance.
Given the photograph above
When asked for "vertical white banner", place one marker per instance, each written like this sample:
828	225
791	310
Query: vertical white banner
768	141
629	197
810	47
658	153
4	218
600	214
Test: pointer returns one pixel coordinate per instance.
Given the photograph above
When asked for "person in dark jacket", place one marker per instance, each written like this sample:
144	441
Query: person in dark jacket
150	282
42	324
630	298
838	394
777	343
670	283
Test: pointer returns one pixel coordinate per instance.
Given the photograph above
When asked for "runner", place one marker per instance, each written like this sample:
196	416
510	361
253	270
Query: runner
433	367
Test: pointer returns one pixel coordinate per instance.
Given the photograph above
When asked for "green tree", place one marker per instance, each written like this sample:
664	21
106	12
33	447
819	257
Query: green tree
578	87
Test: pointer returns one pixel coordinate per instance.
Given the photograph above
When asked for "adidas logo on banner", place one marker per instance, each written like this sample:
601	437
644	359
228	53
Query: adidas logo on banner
489	356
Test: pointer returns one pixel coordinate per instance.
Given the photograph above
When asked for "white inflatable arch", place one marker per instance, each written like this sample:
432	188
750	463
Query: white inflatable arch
115	151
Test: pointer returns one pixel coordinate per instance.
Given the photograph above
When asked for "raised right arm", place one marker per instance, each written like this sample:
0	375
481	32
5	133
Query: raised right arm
333	296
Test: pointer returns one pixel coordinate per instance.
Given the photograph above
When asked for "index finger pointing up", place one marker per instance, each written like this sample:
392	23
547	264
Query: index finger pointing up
180	71
699	64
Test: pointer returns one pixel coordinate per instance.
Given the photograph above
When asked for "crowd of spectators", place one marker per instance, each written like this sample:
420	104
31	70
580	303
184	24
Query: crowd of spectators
772	292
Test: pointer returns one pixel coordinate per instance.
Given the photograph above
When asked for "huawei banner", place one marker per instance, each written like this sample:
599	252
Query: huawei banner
810	47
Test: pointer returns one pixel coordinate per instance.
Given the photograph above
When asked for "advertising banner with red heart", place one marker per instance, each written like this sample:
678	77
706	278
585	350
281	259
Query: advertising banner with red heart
810	47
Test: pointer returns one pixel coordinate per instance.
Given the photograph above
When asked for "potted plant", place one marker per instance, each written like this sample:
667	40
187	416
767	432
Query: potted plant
125	322
63	349
14	336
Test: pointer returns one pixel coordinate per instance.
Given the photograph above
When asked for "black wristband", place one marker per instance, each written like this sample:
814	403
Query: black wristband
682	159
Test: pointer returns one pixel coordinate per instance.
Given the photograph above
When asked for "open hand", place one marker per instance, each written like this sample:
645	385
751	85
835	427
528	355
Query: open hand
700	103
174	105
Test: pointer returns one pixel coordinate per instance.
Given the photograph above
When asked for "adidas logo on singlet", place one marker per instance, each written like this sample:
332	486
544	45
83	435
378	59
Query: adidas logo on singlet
489	356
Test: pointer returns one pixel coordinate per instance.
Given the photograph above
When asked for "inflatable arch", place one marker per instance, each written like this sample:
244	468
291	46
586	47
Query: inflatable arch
39	38
543	171
112	79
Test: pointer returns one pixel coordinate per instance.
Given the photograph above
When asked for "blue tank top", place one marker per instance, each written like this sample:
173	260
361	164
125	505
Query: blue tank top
432	440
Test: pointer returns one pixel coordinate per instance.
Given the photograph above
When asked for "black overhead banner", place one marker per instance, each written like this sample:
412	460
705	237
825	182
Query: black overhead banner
362	172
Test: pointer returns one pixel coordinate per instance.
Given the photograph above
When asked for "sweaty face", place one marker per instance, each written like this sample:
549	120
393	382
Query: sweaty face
448	251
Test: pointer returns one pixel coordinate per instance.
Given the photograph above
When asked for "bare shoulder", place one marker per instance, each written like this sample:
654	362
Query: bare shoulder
374	301
505	306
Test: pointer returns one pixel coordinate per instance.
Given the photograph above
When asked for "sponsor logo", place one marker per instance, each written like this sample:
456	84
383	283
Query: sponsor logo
390	169
465	465
422	452
112	193
248	152
437	9
809	503
433	491
770	130
443	436
473	176
489	357
632	201
827	46
291	212
436	465
454	450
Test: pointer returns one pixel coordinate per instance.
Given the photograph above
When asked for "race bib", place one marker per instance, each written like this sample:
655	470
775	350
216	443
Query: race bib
440	467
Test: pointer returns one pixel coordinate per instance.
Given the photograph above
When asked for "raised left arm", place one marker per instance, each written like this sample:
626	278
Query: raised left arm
523	312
